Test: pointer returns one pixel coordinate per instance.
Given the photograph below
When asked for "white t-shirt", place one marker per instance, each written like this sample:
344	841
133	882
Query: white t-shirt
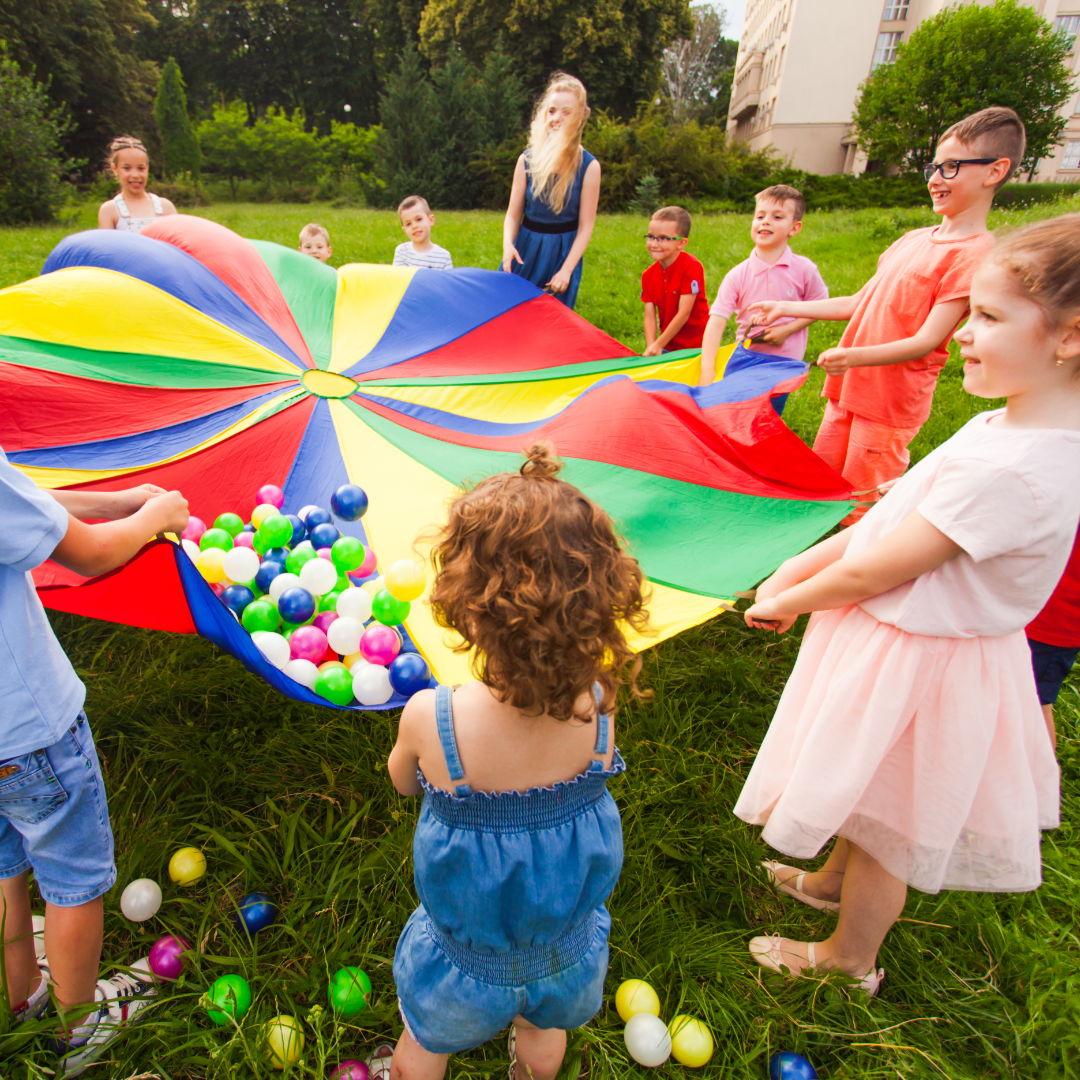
1011	499
437	258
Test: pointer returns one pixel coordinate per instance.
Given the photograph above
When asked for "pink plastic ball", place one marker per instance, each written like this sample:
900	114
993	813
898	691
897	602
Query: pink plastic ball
369	563
308	643
351	1070
244	539
324	553
270	493
218	587
195	528
324	619
165	959
379	644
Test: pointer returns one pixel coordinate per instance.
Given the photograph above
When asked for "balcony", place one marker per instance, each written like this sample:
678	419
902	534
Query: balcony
746	93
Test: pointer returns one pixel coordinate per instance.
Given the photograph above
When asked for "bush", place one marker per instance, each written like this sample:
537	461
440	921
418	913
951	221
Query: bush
31	164
180	148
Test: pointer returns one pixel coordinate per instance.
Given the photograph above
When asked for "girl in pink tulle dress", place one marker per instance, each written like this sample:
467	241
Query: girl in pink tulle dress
910	728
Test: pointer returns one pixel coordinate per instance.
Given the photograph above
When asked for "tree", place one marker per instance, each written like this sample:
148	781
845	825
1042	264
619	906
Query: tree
179	146
687	63
501	98
458	134
957	62
226	144
614	48
31	163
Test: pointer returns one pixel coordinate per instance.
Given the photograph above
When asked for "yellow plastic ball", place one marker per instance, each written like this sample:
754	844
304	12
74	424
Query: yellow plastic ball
351	659
374	586
187	866
405	579
691	1041
635	996
284	1041
331	663
211	564
262	511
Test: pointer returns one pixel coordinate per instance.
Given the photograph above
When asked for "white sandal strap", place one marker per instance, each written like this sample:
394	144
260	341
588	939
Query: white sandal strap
811	953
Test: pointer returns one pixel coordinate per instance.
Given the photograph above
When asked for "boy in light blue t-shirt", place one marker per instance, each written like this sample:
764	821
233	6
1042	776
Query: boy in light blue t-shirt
53	814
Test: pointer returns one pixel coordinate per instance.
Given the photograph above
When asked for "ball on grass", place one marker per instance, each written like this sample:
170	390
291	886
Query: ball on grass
230	998
351	1069
647	1039
141	899
187	865
165	959
635	996
691	1041
348	991
787	1065
284	1041
257	911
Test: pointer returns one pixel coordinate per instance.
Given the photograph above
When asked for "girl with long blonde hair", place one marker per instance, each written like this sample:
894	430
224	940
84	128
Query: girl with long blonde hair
556	189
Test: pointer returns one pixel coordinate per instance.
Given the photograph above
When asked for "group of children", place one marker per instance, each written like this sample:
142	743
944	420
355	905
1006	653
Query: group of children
909	731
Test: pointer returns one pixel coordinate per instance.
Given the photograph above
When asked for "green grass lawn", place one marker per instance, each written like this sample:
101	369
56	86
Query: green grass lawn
295	801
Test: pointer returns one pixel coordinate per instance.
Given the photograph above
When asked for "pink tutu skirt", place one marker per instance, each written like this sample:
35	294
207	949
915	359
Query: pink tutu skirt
930	753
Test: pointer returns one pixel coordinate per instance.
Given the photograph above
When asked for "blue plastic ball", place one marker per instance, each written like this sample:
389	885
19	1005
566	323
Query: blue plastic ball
250	528
349	502
318	516
323	535
237	597
257	912
409	672
299	530
296	605
278	555
268	570
788	1065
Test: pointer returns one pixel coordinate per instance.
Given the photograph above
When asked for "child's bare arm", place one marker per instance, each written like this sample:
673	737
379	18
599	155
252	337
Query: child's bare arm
106	215
515	211
710	343
650	325
404	759
941	321
105	505
913	548
777	335
686	305
96	549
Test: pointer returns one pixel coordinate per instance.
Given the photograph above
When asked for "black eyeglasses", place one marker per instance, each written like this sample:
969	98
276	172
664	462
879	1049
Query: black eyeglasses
649	236
950	169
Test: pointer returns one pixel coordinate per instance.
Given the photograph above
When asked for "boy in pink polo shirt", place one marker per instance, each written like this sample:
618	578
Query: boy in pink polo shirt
773	272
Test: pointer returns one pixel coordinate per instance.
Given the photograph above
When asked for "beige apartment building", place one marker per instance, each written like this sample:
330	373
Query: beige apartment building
801	62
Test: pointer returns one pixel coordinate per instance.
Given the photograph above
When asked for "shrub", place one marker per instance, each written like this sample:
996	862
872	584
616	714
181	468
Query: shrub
180	147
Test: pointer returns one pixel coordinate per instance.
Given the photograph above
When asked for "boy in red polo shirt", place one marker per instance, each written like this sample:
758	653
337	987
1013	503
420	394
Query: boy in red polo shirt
673	288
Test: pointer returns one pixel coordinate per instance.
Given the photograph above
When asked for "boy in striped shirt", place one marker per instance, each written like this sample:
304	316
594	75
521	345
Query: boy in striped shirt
417	220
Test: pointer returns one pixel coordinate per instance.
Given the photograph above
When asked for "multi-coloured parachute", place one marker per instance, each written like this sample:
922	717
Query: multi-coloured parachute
194	359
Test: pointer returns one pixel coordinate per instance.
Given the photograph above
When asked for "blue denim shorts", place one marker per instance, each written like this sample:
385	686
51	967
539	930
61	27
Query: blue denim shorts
453	1005
54	818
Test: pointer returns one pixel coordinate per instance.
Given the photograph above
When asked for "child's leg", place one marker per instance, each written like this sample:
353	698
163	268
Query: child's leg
827	883
540	1051
833	436
20	957
412	1062
73	939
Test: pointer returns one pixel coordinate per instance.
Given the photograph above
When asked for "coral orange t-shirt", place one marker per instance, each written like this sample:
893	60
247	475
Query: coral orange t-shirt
913	275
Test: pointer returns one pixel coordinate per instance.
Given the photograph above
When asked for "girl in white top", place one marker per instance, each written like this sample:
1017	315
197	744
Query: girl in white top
134	207
910	728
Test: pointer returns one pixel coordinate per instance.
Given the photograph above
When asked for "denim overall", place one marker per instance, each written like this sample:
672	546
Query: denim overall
512	888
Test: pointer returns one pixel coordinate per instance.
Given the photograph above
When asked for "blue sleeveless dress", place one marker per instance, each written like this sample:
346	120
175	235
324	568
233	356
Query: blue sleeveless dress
545	238
512	888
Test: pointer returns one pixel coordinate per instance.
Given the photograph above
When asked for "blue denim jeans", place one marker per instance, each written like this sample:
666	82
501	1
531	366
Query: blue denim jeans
55	819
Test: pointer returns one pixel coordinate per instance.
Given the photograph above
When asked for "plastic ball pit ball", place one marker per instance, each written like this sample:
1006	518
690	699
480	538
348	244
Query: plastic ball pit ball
260	615
296	605
211	564
647	1039
335	684
788	1065
230	998
241	564
236	598
141	899
280	583
270	494
349	502
388	609
302	671
262	512
348	991
215	538
308	643
284	1041
691	1041
635	996
232	523
273	646
195	528
187	866
324	535
355	604
257	912
351	1070
275	530
371	685
405	579
409	673
299	557
318	576
324	619
165	959
316	515
344	635
268	570
244	540
379	644
347	553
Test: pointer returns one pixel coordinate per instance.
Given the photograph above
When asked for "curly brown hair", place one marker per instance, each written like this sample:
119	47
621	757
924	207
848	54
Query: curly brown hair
533	575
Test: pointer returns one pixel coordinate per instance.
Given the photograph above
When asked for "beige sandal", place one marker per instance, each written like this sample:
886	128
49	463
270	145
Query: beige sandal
767	951
791	885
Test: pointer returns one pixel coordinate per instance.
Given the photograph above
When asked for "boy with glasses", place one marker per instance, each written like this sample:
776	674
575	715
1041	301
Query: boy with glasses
772	272
880	379
673	288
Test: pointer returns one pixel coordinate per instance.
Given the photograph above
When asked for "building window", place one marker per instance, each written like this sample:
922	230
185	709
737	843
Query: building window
1072	155
895	10
1067	26
885	53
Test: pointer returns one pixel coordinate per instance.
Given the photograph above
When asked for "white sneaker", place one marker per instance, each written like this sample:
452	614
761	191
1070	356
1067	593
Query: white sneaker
118	998
34	1007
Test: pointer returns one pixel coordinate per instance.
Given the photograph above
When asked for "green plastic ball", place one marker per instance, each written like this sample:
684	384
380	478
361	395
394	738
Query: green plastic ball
233	524
348	991
347	553
215	538
276	530
388	610
260	615
335	684
342	582
297	560
259	544
329	600
231	998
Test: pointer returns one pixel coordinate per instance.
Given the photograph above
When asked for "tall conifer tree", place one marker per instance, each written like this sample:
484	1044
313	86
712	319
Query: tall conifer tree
180	147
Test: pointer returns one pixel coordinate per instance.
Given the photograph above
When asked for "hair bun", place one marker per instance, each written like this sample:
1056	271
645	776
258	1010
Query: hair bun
541	462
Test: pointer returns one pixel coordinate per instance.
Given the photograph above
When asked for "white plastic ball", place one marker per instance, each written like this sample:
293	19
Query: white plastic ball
648	1040
302	513
318	576
348	108
281	583
141	899
240	564
357	664
304	545
374	586
273	646
354	603
302	671
343	635
38	922
371	686
191	549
